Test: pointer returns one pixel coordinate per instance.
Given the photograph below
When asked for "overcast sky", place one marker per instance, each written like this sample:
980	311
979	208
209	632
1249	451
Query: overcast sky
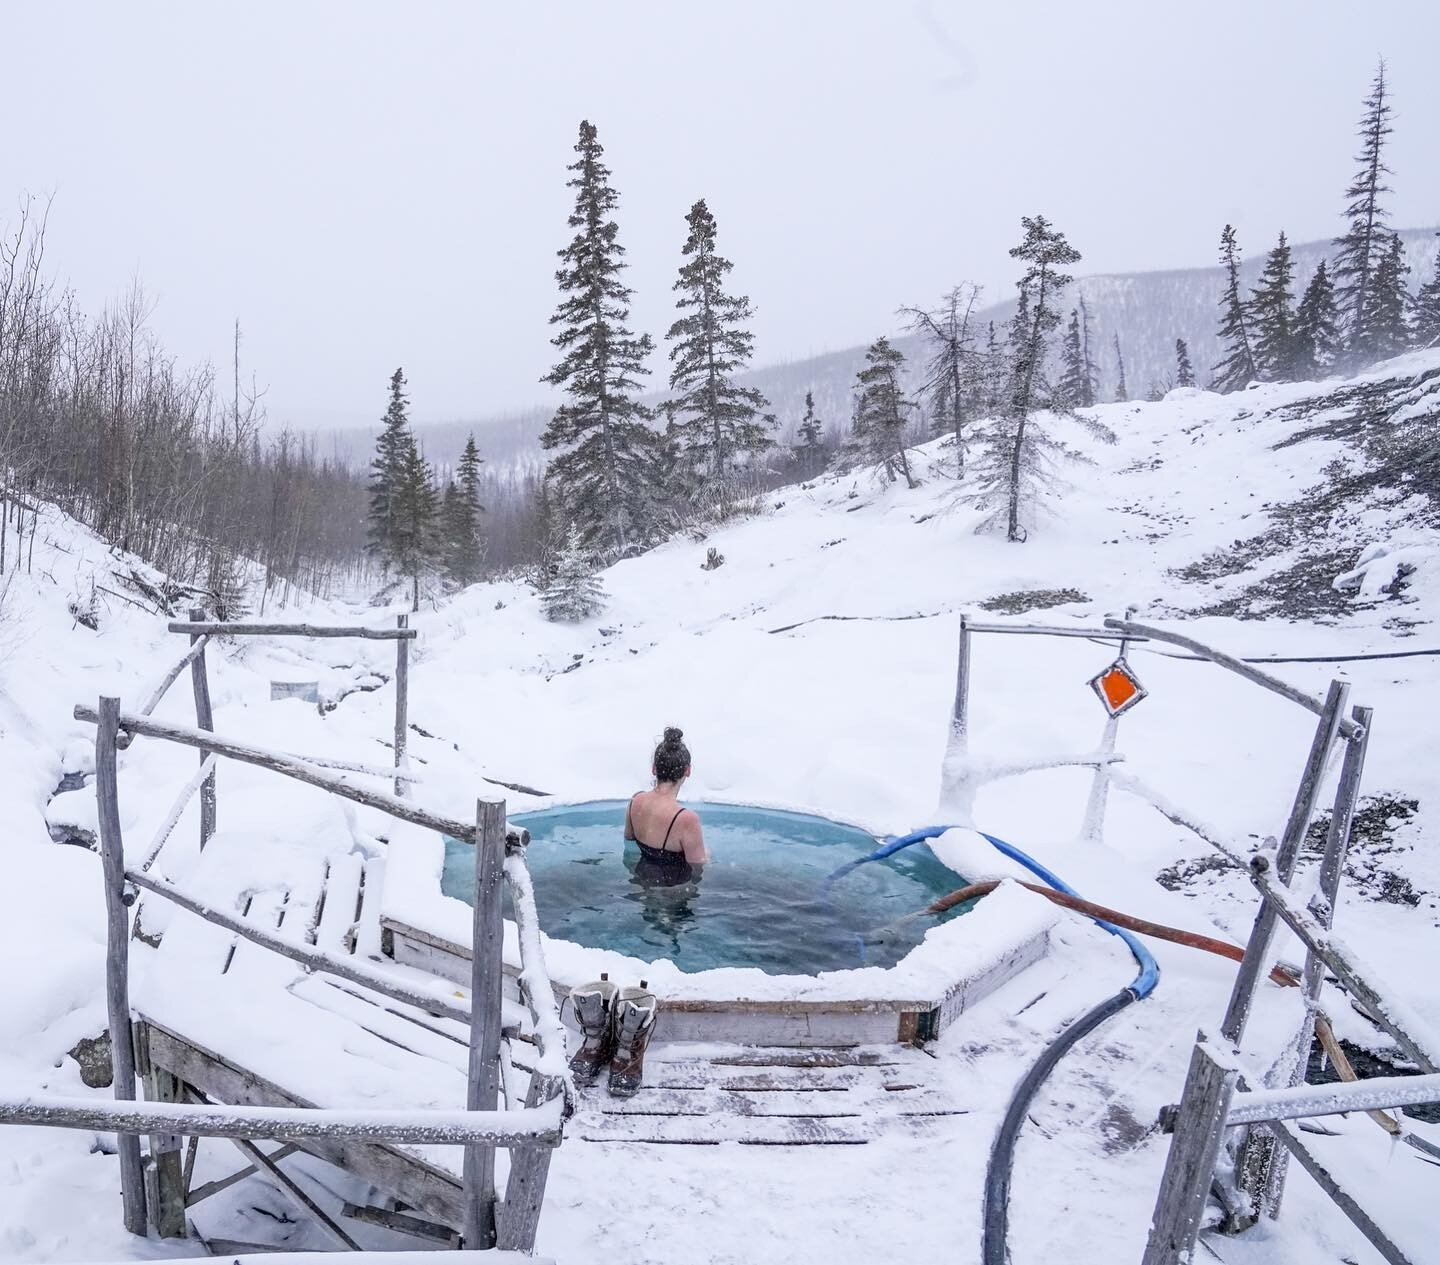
365	185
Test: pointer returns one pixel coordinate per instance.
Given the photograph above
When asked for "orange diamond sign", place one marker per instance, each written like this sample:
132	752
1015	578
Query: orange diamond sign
1118	688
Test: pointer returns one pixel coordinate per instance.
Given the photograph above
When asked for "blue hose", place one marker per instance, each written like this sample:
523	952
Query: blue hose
995	1223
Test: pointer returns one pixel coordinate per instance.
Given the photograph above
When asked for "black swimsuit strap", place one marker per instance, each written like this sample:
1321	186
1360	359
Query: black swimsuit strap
669	828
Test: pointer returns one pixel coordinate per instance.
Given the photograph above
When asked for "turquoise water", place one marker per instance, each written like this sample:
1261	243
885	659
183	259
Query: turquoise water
760	902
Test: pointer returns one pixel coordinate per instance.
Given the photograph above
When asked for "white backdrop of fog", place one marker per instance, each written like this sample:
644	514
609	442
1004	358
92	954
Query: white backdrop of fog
365	185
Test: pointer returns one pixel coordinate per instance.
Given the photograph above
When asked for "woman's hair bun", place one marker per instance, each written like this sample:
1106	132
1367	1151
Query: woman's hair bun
673	735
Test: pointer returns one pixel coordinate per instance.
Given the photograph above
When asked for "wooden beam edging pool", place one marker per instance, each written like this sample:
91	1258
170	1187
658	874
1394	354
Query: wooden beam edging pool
820	1022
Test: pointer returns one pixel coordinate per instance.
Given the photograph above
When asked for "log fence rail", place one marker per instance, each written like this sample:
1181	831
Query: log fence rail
156	1190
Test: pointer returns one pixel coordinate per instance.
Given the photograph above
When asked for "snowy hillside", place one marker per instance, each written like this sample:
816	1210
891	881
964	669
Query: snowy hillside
814	669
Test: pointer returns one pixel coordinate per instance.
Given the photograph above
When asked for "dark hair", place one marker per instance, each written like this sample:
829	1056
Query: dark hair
672	757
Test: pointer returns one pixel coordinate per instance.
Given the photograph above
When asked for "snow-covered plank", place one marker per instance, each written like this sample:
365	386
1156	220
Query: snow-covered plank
342	903
359	1258
854	1104
705	1076
225	629
713	1130
415	1127
364	939
1375	1094
279	762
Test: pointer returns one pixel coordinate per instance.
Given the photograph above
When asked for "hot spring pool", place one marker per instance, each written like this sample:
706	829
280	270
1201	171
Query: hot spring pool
760	902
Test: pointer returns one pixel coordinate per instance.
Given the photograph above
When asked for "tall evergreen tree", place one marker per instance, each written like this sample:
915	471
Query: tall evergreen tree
882	411
1017	461
716	421
601	442
1071	391
810	451
574	591
951	381
460	516
387	469
415	540
1389	325
1317	323
993	374
1237	368
1122	389
1090	392
1274	316
1427	311
1363	245
1184	370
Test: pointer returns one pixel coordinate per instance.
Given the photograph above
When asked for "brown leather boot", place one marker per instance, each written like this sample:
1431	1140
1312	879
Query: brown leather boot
635	1010
594	1008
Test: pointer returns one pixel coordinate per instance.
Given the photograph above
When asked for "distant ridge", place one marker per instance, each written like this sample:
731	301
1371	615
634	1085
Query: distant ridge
1148	310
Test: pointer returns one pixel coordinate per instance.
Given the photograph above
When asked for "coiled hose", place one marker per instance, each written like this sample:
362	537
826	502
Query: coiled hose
995	1223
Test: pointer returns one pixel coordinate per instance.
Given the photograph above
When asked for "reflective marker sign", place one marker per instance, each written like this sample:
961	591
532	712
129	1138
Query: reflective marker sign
1118	688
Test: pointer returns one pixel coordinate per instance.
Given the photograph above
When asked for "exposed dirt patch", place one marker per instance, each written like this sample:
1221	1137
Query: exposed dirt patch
1373	831
1366	1064
1177	877
1031	600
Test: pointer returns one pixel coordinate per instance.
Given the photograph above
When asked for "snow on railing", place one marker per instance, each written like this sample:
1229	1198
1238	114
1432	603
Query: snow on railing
530	1130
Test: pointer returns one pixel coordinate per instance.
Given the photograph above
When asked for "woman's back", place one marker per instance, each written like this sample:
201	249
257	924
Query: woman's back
661	824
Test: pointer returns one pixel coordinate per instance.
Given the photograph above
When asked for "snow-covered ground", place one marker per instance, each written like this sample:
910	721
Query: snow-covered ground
813	670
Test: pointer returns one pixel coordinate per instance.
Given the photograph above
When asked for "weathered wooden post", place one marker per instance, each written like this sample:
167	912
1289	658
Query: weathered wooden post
486	972
1190	1166
1263	1174
402	702
960	717
957	791
204	719
1257	950
117	955
1255	1151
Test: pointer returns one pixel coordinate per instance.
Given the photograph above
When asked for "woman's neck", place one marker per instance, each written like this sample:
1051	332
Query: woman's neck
671	790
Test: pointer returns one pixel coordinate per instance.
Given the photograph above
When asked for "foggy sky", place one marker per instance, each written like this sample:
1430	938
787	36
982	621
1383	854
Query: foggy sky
365	185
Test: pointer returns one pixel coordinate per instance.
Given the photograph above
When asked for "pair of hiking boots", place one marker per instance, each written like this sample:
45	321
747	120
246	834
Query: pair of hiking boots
616	1024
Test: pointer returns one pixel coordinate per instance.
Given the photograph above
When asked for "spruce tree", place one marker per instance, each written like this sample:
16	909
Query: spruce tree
465	554
574	591
1017	461
1274	316
1237	369
387	470
415	540
716	421
810	451
993	374
882	411
1427	311
1317	338
1090	381
1362	247
1122	390
1184	371
1389	326
952	383
1072	388
601	442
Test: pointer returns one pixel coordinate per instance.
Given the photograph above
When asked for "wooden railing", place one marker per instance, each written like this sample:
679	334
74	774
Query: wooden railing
1254	1182
201	631
530	1133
